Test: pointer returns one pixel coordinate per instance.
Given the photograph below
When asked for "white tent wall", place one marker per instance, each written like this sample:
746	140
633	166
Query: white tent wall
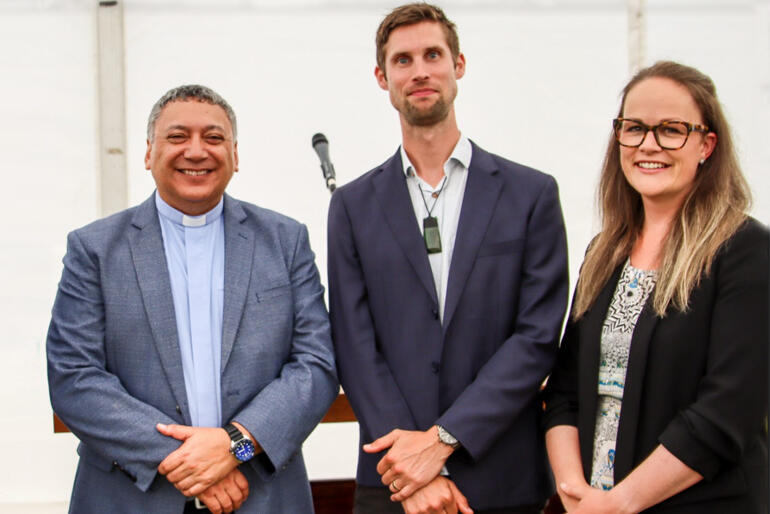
542	84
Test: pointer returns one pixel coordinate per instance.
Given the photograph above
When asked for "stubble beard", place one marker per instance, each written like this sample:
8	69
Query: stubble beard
432	115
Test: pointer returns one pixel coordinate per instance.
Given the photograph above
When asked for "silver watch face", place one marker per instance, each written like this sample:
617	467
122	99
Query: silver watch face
447	438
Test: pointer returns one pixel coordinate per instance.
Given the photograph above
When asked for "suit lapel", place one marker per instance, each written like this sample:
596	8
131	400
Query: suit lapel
632	391
392	195
149	259
482	190
590	339
239	252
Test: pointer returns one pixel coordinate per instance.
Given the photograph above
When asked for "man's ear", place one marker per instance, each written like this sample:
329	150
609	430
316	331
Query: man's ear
382	80
147	155
460	66
235	155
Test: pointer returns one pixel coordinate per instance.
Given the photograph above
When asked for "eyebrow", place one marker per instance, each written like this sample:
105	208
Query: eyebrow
186	128
407	53
663	120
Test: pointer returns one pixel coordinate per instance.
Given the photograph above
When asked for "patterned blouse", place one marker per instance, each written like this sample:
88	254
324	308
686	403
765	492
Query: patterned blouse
631	293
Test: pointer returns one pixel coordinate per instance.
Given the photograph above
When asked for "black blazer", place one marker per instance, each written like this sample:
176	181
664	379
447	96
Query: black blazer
697	382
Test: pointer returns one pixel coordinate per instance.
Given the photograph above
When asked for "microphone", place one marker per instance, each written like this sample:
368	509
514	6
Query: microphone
321	147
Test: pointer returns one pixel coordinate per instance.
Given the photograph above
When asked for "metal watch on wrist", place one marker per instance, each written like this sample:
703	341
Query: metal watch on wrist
240	446
447	438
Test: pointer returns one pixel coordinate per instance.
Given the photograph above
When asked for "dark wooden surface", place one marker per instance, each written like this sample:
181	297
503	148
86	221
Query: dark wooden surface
333	496
340	411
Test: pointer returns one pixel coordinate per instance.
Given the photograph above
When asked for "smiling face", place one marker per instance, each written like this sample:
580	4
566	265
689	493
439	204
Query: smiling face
663	176
420	74
192	155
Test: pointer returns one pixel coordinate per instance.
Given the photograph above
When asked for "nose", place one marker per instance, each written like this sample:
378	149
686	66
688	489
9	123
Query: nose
649	142
195	149
420	71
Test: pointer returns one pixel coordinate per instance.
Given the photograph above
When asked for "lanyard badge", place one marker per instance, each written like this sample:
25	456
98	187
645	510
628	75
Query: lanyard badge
431	234
430	231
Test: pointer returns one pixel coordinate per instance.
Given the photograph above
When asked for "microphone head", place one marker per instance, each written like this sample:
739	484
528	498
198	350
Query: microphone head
319	138
321	147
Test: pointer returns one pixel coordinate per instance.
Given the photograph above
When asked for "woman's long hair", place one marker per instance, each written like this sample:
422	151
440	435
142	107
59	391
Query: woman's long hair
712	211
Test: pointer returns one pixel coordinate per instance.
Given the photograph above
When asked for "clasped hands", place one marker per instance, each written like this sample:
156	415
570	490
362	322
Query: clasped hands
411	469
204	467
581	498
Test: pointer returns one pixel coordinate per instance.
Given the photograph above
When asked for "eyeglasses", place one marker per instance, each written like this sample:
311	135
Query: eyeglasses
670	135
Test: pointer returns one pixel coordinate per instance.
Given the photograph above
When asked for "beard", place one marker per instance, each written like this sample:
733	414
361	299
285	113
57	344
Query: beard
426	117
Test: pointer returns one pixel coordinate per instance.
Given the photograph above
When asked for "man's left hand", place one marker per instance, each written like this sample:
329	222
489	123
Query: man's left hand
414	459
440	496
203	459
227	495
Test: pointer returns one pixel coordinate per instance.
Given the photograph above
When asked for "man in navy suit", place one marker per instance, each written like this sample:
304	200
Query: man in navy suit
448	286
189	346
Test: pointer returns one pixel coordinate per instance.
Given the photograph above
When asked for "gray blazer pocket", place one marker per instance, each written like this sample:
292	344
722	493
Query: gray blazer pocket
273	291
503	247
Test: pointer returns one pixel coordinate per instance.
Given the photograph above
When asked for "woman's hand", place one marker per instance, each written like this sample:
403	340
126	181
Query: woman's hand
584	499
570	494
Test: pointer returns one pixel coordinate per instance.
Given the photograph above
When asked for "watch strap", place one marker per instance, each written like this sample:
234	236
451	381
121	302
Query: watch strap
235	434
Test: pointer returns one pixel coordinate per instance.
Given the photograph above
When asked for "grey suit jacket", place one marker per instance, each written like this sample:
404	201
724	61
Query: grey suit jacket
115	370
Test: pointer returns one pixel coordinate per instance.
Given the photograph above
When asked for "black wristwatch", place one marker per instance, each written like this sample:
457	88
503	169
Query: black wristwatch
240	446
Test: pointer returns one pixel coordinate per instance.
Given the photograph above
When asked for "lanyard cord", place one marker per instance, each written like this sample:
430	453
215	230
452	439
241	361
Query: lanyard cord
437	193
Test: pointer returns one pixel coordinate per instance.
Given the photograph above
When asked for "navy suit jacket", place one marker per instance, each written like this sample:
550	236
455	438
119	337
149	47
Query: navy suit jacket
115	370
478	373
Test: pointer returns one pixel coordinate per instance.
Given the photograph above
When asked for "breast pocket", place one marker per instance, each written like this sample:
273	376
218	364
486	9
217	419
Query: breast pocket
501	248
274	291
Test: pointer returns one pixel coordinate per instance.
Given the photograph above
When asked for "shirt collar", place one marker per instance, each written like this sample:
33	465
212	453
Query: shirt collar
180	218
461	154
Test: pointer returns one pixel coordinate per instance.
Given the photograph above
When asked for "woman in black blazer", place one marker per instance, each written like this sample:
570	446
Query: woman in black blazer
658	401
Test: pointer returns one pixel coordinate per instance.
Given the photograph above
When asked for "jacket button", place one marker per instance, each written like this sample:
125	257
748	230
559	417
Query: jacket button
435	313
178	409
434	366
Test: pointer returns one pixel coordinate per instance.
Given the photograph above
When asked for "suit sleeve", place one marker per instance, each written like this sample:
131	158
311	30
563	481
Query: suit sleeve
368	382
509	382
285	411
83	391
732	398
561	391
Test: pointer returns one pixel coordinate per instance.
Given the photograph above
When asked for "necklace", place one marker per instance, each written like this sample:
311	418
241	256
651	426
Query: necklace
430	231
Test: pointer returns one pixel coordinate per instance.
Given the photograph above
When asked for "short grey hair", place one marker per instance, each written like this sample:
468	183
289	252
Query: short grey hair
186	93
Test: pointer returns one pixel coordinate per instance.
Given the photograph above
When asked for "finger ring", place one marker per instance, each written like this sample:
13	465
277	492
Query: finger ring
394	487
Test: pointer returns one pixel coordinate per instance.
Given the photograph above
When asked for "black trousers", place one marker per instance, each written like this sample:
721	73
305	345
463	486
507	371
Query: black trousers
376	500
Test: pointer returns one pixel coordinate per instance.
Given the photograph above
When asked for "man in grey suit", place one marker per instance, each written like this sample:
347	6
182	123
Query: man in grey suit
189	345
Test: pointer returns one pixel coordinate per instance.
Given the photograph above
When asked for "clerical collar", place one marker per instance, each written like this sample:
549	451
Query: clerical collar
461	154
183	219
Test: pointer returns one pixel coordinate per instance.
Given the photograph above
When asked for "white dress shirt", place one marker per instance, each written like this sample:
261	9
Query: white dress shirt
445	208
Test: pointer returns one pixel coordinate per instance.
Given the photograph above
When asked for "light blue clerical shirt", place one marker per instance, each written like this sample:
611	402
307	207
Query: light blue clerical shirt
195	253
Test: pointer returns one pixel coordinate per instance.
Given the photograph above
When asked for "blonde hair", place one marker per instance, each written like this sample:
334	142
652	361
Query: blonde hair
713	210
